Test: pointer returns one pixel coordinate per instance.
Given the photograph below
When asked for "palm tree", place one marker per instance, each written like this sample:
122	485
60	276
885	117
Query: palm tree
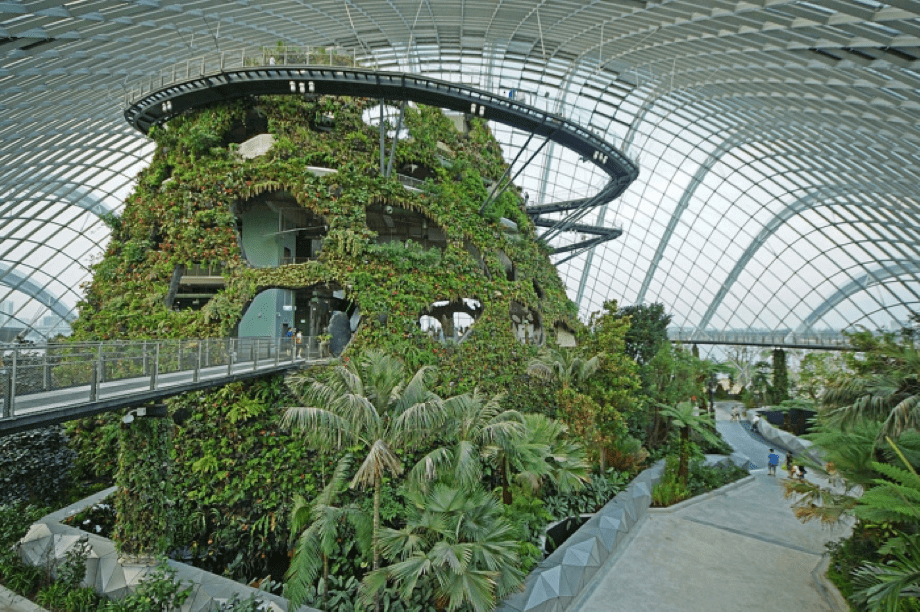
686	419
319	524
476	422
889	392
369	402
541	452
563	365
458	540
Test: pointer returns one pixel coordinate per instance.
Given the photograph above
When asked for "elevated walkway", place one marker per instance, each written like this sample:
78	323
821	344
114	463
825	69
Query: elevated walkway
739	549
823	341
48	384
228	75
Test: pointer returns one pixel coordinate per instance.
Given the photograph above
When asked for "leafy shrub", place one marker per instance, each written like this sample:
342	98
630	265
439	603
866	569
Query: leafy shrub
708	478
668	493
35	465
20	578
588	499
52	596
81	599
670	490
72	569
15	520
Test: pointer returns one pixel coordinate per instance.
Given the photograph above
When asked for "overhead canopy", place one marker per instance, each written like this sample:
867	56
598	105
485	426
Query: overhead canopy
777	145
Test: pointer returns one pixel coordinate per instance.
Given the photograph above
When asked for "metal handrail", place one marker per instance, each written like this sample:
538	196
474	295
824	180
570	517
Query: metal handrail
248	57
830	340
90	371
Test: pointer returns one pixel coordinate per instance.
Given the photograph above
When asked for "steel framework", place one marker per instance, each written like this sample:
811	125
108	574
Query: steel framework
779	143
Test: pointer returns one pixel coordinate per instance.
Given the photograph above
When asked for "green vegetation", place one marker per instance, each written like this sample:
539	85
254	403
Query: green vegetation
867	430
414	473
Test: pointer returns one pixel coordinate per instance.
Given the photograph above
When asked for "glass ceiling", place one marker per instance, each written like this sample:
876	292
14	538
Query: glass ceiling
778	146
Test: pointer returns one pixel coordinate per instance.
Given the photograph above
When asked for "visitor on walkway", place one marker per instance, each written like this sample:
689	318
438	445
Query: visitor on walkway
772	462
755	422
736	416
789	466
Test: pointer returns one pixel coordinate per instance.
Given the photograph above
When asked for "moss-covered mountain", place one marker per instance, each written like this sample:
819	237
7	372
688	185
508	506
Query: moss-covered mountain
190	205
385	251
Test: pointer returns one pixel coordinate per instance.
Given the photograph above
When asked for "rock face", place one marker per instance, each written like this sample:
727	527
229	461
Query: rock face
256	146
302	224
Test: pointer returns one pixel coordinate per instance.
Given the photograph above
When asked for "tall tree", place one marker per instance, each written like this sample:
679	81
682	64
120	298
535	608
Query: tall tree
541	452
780	377
648	330
673	376
476	422
885	386
371	402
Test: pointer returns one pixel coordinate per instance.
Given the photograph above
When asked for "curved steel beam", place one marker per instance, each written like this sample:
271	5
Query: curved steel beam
24	284
795	208
862	283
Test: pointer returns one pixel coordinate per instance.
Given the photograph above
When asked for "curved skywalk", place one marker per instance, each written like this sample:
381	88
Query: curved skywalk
777	145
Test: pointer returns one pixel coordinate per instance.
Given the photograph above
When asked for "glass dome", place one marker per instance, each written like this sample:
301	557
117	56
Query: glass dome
777	146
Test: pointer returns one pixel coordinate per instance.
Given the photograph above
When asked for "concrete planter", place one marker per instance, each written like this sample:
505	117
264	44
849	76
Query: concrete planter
49	540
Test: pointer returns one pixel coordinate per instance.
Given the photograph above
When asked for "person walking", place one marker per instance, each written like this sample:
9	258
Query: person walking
772	462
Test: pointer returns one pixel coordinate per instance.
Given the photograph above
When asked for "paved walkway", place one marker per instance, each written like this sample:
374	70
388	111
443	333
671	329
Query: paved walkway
742	549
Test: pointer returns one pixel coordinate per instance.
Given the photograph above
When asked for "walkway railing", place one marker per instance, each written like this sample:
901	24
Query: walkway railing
38	378
832	341
217	62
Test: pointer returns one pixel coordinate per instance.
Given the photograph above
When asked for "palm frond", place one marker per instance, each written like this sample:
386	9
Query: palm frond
419	420
882	586
380	460
320	425
429	467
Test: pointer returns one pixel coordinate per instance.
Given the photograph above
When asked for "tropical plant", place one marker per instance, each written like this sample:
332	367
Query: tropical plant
581	413
564	365
895	498
457	539
368	402
541	453
686	418
475	422
318	526
886	388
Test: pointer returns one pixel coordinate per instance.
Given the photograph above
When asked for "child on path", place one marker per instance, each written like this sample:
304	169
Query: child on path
772	462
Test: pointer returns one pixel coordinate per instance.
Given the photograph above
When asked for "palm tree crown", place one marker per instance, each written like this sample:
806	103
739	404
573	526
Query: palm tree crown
369	402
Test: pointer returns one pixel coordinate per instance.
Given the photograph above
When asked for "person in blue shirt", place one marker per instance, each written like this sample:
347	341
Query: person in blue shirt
772	462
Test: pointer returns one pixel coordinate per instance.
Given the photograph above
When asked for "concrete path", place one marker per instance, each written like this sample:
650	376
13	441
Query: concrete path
741	549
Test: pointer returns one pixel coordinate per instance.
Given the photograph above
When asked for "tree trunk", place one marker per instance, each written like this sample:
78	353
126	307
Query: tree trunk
325	580
506	487
683	468
375	544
